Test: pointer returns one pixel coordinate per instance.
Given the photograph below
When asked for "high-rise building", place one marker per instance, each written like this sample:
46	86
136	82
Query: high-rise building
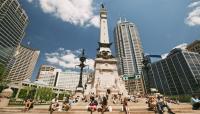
13	21
129	53
194	46
23	64
69	80
177	74
47	74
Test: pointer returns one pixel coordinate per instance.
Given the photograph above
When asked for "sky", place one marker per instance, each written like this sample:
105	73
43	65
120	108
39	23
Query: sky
61	28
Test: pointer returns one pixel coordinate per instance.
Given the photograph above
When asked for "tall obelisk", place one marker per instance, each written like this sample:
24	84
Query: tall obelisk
106	79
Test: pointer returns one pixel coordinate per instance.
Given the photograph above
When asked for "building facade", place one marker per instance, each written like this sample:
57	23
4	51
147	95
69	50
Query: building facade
23	64
178	74
47	74
194	46
13	21
129	53
69	80
148	59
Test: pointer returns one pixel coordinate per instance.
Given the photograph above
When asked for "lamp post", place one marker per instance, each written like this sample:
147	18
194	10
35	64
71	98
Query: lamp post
81	65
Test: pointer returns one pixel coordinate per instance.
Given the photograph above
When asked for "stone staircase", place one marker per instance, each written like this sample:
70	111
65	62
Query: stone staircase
81	108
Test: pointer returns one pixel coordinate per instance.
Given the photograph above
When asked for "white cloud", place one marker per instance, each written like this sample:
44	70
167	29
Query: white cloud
181	46
163	56
77	12
52	60
94	21
66	59
30	1
194	4
193	17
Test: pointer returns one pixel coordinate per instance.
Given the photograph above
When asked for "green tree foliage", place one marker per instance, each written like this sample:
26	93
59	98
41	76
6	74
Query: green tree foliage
67	93
44	94
181	98
3	74
30	91
60	97
2	68
23	93
14	92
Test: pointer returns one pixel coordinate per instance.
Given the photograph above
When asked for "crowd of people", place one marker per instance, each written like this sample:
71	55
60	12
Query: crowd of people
158	103
100	103
64	106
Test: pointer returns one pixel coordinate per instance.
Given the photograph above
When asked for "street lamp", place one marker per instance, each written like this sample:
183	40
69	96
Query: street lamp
82	59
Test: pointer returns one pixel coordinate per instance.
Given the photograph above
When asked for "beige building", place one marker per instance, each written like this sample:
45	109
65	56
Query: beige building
53	77
47	74
194	46
69	80
129	53
23	64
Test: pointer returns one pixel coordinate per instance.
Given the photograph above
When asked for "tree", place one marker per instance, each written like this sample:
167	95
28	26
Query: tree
2	69
60	97
3	74
2	77
44	94
67	93
22	94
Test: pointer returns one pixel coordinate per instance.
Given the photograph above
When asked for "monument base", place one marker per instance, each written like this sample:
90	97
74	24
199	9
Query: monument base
79	92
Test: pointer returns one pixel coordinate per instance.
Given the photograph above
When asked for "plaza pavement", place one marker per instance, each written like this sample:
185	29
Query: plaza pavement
81	108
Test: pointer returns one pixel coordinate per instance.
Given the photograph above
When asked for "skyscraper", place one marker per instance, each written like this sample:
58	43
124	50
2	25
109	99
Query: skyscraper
177	74
129	53
23	64
13	21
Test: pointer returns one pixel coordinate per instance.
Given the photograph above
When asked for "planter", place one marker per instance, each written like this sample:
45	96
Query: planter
4	102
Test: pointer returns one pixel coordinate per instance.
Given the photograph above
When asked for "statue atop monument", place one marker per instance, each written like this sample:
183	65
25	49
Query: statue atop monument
104	44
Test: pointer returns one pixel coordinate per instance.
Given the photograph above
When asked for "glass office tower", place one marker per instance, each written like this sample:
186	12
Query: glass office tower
13	21
177	74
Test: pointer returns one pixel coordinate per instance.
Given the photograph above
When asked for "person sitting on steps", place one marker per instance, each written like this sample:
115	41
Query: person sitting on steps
161	103
104	105
195	102
93	104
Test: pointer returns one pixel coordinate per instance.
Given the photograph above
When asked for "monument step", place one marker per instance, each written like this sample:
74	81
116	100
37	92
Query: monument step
144	111
81	112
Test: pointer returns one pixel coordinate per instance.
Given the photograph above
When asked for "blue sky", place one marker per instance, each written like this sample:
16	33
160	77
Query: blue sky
60	28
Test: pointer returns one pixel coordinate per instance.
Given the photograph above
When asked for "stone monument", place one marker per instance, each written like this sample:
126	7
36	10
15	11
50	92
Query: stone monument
106	79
